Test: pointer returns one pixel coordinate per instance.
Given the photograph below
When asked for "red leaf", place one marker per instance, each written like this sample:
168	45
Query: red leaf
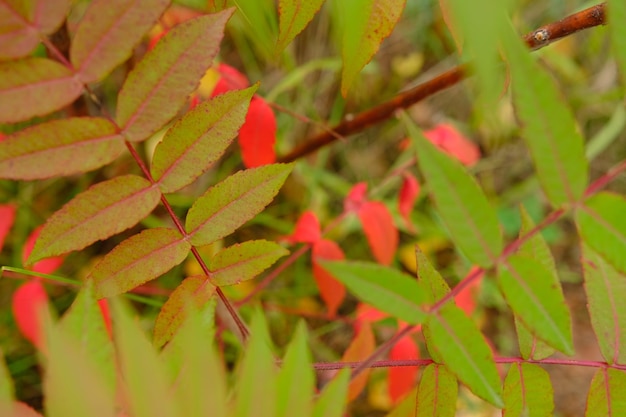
230	79
409	192
466	298
307	229
380	231
258	134
449	140
331	290
156	38
45	266
402	378
355	198
106	315
7	217
30	301
360	348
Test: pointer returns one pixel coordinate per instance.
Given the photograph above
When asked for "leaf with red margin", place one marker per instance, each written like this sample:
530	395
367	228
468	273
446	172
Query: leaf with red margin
307	229
159	85
380	231
45	266
108	32
30	302
230	79
7	217
258	134
196	290
451	141
361	347
26	82
402	378
407	196
331	290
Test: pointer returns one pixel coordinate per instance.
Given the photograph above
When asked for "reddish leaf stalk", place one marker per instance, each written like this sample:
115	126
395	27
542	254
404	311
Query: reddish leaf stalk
593	16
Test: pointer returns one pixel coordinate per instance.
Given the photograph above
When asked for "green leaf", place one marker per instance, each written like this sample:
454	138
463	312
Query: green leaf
536	298
367	24
139	259
244	261
229	204
616	13
437	393
108	32
192	292
294	399
73	384
159	85
24	84
606	394
257	376
332	400
550	131
602	225
294	16
195	142
384	288
59	147
85	324
536	248
145	384
23	23
606	291
103	210
200	387
464	351
528	391
472	222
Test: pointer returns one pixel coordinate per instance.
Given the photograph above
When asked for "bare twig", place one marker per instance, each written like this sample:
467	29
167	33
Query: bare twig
593	16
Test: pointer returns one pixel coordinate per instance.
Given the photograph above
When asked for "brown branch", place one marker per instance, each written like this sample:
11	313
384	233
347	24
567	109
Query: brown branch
593	16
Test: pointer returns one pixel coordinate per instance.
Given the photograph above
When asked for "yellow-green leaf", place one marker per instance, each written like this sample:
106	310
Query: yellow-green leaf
437	395
528	391
244	261
294	16
606	395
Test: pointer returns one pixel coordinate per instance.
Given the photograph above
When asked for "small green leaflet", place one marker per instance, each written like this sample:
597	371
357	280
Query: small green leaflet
23	83
606	292
137	260
145	387
528	391
606	395
367	23
530	290
602	225
103	210
160	84
229	204
196	141
383	287
437	393
464	351
194	291
294	399
536	248
244	261
467	214
294	16
108	32
550	132
332	400
59	147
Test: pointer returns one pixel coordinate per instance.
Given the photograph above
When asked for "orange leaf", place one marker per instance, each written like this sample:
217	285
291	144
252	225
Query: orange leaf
360	349
30	302
409	192
380	231
258	134
451	141
331	290
402	378
307	229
